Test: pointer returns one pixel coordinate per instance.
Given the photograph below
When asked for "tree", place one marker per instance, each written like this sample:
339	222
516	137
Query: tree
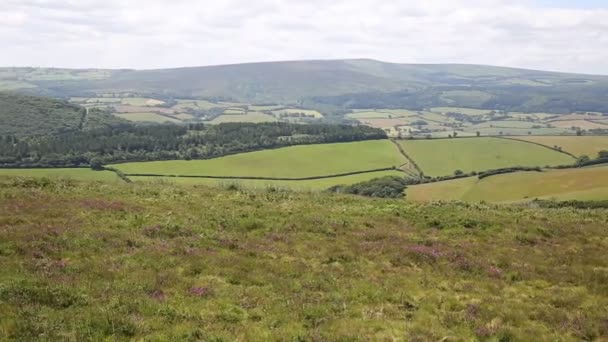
96	164
602	154
458	172
455	134
582	159
478	133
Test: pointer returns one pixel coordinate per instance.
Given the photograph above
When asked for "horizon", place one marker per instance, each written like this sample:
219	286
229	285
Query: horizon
301	61
554	35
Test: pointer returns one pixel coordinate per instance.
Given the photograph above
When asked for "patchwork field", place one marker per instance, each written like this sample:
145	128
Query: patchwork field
443	156
582	124
249	117
580	184
78	174
146	117
466	111
577	145
289	162
300	185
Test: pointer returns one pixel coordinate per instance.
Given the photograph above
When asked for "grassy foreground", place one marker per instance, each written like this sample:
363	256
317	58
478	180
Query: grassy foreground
93	261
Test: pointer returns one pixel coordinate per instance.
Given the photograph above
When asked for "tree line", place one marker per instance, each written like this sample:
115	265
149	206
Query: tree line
125	142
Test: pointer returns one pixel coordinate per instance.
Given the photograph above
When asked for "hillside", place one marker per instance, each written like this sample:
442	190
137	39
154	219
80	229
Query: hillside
23	115
334	84
85	261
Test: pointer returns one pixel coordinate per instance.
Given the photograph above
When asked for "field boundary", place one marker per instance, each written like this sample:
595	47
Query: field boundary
539	144
407	157
393	168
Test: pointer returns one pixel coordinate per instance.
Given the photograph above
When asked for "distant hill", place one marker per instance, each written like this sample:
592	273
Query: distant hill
337	84
22	115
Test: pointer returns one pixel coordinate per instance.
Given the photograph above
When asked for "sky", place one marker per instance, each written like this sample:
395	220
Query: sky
570	36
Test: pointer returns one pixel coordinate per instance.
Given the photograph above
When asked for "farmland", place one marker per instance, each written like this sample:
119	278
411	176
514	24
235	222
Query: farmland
578	146
289	162
299	185
442	157
581	184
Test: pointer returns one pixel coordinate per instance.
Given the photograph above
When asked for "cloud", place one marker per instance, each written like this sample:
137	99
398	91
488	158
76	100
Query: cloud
158	33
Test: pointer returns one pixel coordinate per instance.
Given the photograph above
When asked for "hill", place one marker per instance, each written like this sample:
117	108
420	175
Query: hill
85	261
23	115
334	84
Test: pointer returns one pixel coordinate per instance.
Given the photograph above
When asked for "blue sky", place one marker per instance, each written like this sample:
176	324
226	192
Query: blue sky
557	35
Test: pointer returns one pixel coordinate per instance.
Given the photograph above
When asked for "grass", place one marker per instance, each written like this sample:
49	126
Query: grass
577	145
496	131
145	117
304	185
567	184
465	111
288	162
141	101
307	112
163	262
249	117
442	157
506	124
582	124
77	174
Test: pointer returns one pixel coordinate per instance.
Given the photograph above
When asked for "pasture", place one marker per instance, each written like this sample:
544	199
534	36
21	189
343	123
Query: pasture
288	162
580	184
299	185
71	173
582	124
146	117
576	145
249	117
441	157
465	111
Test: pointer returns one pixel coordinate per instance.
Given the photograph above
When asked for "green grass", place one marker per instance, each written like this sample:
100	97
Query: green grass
494	131
506	124
307	112
442	157
77	174
577	145
140	101
300	185
466	111
249	117
568	184
170	263
289	162
146	117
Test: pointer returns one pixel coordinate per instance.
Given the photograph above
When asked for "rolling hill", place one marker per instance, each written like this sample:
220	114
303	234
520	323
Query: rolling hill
22	115
334	84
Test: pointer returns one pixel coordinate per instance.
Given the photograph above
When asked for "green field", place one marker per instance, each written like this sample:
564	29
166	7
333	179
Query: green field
249	117
78	174
506	124
441	157
300	185
289	162
465	111
577	145
580	184
496	131
146	117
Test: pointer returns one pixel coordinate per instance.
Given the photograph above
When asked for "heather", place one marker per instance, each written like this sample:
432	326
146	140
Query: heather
102	261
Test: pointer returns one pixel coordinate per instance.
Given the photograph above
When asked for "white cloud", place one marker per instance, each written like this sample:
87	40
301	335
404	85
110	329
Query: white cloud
157	33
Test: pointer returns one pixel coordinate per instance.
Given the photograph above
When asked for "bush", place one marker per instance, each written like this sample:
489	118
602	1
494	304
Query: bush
389	186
